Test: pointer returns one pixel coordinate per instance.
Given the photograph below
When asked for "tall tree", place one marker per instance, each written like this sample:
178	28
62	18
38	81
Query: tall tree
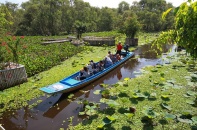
123	6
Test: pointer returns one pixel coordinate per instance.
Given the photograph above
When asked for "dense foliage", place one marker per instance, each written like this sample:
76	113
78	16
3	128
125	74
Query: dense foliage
57	17
36	57
184	33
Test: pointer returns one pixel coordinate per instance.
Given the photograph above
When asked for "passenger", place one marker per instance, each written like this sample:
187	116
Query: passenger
114	59
100	66
118	57
94	68
90	69
107	62
83	74
93	64
110	55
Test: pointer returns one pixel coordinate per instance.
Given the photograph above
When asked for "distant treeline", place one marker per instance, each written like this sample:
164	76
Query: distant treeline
59	17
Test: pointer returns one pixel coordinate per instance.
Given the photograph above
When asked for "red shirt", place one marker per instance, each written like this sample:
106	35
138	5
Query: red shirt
119	47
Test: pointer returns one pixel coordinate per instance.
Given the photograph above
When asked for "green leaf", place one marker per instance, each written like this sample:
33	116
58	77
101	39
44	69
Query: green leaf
100	126
126	79
97	92
169	116
129	115
150	113
190	102
184	120
187	112
112	103
103	100
194	119
154	70
191	93
177	87
81	113
165	96
165	105
165	13
185	95
153	95
112	118
106	121
71	95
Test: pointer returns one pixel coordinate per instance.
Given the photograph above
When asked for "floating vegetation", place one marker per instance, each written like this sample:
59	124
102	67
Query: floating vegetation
169	82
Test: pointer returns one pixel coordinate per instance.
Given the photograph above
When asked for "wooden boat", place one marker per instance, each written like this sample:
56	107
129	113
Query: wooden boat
70	83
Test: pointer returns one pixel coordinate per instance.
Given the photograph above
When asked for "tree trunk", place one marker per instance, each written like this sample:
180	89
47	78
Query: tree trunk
132	41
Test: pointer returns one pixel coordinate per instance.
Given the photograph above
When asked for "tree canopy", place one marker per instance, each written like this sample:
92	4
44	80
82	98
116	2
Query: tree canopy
184	33
57	17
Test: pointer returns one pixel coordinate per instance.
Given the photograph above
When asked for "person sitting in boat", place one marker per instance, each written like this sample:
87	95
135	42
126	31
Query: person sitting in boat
114	59
110	55
107	62
83	74
93	64
100	66
118	57
90	70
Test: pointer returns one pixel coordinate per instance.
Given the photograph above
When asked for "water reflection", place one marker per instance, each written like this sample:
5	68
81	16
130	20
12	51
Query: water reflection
53	113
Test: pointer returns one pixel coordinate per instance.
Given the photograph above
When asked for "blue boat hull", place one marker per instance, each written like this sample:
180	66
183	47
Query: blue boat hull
69	83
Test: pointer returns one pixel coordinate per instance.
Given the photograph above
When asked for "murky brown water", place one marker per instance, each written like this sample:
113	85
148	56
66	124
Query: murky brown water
43	117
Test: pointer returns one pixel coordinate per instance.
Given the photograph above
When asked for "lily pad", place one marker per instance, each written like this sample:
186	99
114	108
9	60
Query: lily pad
177	87
169	116
154	70
71	96
194	119
81	113
190	83
191	102
187	112
186	95
165	96
107	121
184	120
97	92
112	103
171	81
191	93
126	79
100	126
112	118
150	113
165	105
129	115
103	100
153	95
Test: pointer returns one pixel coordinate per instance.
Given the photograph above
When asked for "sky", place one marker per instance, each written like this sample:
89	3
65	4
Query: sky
103	3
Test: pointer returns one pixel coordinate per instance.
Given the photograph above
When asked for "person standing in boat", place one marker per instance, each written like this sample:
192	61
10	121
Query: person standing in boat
119	48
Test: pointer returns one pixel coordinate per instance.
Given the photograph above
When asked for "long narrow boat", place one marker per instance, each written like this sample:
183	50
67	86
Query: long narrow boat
70	83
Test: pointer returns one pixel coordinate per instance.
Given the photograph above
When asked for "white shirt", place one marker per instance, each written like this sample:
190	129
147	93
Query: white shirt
90	68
